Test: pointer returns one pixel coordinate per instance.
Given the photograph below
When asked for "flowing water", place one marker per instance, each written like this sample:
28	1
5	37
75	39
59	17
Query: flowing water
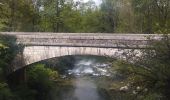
85	87
86	78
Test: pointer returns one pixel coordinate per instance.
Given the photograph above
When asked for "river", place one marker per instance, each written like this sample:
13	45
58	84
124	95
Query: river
84	72
86	78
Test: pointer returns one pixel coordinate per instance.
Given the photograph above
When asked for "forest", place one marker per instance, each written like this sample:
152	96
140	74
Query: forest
111	16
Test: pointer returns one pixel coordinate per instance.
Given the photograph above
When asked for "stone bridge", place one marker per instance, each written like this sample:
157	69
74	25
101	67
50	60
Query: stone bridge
42	46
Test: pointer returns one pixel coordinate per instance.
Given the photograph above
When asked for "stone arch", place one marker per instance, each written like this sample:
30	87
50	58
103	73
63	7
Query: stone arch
33	54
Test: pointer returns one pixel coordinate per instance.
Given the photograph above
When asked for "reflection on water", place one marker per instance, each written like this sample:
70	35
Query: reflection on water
86	90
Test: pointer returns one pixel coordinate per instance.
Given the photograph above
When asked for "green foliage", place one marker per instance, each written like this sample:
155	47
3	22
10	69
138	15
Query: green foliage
151	70
42	80
124	16
152	96
8	50
6	56
5	93
39	73
153	14
23	92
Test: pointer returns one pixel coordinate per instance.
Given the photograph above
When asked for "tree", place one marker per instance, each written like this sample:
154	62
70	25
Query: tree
42	80
152	15
109	8
7	54
151	69
50	15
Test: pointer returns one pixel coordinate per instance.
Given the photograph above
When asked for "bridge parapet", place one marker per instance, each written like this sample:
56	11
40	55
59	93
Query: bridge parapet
83	39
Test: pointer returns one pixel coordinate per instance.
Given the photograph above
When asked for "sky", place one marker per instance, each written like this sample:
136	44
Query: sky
98	2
